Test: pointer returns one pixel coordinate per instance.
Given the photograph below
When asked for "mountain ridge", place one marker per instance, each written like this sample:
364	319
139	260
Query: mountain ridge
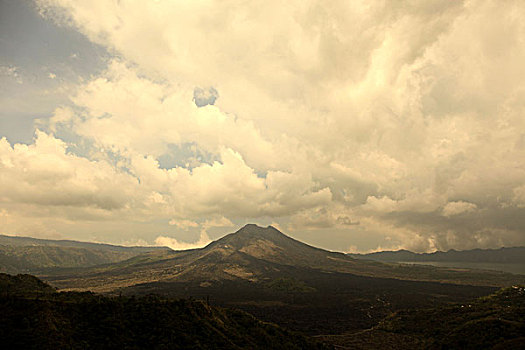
31	255
498	255
31	241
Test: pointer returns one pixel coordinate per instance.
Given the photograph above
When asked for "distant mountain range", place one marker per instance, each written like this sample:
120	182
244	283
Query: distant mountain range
32	255
514	255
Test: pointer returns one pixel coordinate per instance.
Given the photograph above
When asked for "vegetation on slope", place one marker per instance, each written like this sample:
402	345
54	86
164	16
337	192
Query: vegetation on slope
496	319
493	322
32	255
25	285
85	320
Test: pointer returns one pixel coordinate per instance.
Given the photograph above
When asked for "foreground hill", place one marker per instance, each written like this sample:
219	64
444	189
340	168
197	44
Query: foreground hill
32	255
40	319
493	322
24	285
281	280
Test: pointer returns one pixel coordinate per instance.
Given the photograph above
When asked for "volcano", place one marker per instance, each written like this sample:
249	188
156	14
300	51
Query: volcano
279	279
257	255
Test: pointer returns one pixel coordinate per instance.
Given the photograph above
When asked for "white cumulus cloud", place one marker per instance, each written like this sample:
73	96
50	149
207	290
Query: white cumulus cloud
400	116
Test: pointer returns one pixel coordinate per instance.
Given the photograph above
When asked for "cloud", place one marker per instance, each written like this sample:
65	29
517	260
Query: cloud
519	196
402	116
183	224
11	72
413	201
45	174
204	240
328	216
345	220
383	204
174	244
216	221
459	207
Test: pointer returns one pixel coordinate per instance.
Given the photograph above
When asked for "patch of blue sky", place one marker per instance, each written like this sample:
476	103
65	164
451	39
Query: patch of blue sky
261	173
187	155
203	97
40	62
87	148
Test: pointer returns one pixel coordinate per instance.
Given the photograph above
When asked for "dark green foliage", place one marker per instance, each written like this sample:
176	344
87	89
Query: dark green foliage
23	285
89	321
284	284
493	322
483	323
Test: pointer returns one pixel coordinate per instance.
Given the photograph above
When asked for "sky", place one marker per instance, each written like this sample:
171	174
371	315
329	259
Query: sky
353	126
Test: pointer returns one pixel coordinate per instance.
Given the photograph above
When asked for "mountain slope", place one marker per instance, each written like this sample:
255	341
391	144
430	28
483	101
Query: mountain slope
31	255
27	285
29	241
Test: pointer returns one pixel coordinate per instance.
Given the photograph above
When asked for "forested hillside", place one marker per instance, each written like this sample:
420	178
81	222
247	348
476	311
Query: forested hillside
35	317
492	322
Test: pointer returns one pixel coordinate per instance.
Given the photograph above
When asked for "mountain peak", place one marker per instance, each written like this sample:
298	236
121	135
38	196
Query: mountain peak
254	228
254	231
251	234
